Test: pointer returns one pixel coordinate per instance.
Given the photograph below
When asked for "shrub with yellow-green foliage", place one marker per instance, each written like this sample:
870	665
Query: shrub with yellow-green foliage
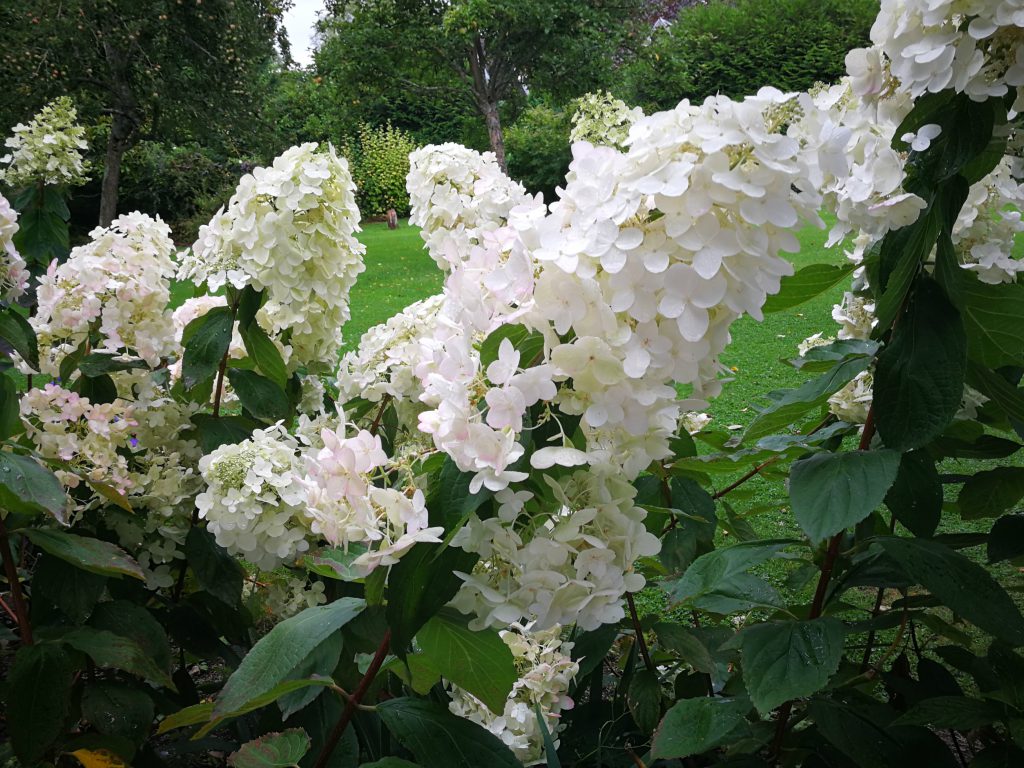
379	157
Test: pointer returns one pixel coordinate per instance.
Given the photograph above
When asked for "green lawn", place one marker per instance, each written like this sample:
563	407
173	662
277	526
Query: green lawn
398	272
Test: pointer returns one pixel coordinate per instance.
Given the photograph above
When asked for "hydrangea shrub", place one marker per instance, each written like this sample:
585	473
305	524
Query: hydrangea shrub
428	553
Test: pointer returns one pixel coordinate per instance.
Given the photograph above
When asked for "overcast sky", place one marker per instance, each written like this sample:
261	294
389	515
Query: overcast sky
300	22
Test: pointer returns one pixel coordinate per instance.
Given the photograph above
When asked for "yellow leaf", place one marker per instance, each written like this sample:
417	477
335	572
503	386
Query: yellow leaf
99	758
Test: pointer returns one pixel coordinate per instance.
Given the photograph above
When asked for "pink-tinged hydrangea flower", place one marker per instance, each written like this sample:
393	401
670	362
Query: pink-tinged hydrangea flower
13	273
118	282
90	437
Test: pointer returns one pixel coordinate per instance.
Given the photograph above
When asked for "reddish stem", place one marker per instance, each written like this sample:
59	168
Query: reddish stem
11	571
827	566
353	702
638	630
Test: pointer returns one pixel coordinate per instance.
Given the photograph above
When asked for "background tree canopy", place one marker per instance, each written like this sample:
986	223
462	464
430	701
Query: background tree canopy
190	94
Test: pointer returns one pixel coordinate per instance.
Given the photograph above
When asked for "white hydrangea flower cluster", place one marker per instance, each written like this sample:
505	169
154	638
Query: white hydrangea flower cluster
254	501
344	506
48	150
13	272
989	222
855	315
88	436
289	230
633	280
456	195
851	126
120	282
972	46
384	363
570	566
658	251
602	119
546	671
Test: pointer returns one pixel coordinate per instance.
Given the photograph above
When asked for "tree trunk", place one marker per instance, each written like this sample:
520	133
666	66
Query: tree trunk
495	134
485	94
121	130
125	122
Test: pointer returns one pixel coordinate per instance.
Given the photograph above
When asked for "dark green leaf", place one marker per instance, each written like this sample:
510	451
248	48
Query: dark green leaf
991	316
990	493
827	355
282	649
1006	541
916	495
476	661
118	709
99	363
38	696
206	342
100	389
75	593
786	660
1001	755
694	532
419	585
813	394
854	734
265	354
203	714
591	647
16	331
919	378
808	282
439	739
272	750
694	726
26	486
644	699
389	762
959	712
91	555
216	431
125	618
116	652
319	663
451	501
219	573
960	584
318	720
249	302
550	750
832	491
10	415
686	645
1008	397
718	581
902	252
259	395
